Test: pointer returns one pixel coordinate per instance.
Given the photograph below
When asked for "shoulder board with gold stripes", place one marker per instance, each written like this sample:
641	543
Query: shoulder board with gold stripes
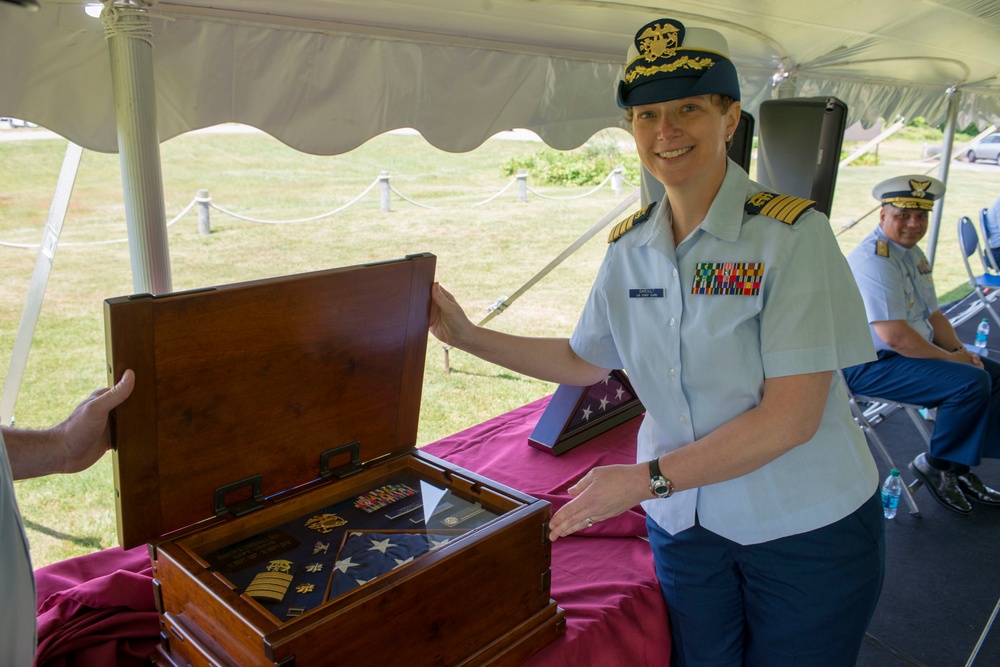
785	208
628	223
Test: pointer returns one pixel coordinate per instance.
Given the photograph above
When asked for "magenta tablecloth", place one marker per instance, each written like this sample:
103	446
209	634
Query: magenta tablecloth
98	609
603	577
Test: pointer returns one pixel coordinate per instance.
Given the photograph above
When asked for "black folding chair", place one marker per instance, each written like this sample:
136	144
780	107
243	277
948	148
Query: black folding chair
878	407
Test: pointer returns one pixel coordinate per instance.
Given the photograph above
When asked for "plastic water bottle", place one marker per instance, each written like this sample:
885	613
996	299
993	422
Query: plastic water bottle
891	489
983	334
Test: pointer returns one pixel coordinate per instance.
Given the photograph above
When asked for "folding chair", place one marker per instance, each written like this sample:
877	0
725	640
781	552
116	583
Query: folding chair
878	409
968	241
984	229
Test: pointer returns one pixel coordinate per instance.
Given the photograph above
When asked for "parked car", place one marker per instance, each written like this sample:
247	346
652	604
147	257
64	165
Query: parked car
987	149
14	122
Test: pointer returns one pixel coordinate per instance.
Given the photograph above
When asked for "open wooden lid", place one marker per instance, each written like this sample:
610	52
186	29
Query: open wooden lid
260	379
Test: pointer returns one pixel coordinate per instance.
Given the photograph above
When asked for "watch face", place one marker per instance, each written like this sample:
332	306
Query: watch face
661	487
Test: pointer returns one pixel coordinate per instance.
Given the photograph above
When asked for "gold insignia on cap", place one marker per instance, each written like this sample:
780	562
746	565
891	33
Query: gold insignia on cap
682	62
628	223
919	188
658	41
910	202
785	208
882	248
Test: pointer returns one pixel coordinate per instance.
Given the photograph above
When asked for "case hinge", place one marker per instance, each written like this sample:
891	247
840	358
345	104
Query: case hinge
256	482
345	470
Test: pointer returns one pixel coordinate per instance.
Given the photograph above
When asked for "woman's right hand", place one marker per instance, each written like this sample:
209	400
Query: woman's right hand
448	321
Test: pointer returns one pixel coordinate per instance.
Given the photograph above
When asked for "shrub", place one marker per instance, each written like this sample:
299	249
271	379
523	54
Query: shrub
588	165
867	160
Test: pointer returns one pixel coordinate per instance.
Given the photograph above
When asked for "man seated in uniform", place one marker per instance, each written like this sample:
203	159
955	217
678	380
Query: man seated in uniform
920	358
993	229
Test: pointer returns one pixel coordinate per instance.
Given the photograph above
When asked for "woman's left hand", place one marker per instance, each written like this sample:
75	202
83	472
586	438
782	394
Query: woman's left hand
602	493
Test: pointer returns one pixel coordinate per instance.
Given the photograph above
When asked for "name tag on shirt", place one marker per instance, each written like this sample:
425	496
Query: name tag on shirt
646	293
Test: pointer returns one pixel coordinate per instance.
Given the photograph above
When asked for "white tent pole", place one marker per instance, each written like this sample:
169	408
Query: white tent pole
129	35
39	279
949	141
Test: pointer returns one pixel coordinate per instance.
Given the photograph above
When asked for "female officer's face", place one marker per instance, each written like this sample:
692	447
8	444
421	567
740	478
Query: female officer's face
683	142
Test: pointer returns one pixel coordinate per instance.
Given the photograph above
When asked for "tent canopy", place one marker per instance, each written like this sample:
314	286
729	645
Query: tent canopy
324	76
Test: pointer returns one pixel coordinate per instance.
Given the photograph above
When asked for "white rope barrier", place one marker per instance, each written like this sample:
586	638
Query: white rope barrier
503	190
585	194
122	240
207	201
407	199
287	222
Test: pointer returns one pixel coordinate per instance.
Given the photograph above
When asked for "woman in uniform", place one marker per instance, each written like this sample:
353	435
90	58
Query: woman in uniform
730	308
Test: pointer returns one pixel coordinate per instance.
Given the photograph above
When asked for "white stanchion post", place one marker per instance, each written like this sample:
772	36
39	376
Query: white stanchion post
522	185
204	206
383	191
617	176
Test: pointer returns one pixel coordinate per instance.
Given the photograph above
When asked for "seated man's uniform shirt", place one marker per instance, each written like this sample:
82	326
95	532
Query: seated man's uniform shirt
993	224
17	582
895	283
698	357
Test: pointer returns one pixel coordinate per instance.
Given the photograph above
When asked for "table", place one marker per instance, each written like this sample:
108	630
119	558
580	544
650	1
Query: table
98	608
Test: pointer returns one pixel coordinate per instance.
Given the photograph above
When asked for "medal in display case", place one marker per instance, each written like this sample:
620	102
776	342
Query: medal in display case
267	457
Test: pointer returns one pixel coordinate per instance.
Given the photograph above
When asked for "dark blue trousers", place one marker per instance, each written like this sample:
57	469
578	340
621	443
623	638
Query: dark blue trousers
967	426
798	600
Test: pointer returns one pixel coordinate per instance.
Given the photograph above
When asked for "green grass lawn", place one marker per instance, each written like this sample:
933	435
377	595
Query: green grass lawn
483	252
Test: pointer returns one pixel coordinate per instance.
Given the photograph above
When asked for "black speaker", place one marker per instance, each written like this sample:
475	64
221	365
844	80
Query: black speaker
798	150
739	152
742	146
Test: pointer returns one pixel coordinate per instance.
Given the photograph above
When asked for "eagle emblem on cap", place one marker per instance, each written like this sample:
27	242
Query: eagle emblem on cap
919	187
659	41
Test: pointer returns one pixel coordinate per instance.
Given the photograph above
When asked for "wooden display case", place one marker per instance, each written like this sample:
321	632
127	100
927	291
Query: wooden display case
267	456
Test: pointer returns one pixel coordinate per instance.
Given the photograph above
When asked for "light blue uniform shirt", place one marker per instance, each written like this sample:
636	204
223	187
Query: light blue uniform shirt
699	360
17	581
894	287
993	223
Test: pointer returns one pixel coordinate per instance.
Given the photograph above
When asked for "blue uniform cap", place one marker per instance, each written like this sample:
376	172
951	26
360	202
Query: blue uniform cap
668	62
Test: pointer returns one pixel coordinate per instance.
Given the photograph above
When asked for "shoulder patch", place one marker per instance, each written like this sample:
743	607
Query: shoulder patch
628	223
785	208
882	248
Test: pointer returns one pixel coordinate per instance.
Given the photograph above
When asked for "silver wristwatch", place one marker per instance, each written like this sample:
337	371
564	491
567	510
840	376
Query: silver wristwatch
660	486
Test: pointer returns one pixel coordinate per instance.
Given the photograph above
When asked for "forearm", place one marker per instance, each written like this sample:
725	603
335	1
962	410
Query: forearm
549	359
945	336
788	415
904	340
72	445
33	453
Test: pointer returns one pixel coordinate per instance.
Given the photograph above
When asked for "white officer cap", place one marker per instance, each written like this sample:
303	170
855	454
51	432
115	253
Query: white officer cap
667	61
910	192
